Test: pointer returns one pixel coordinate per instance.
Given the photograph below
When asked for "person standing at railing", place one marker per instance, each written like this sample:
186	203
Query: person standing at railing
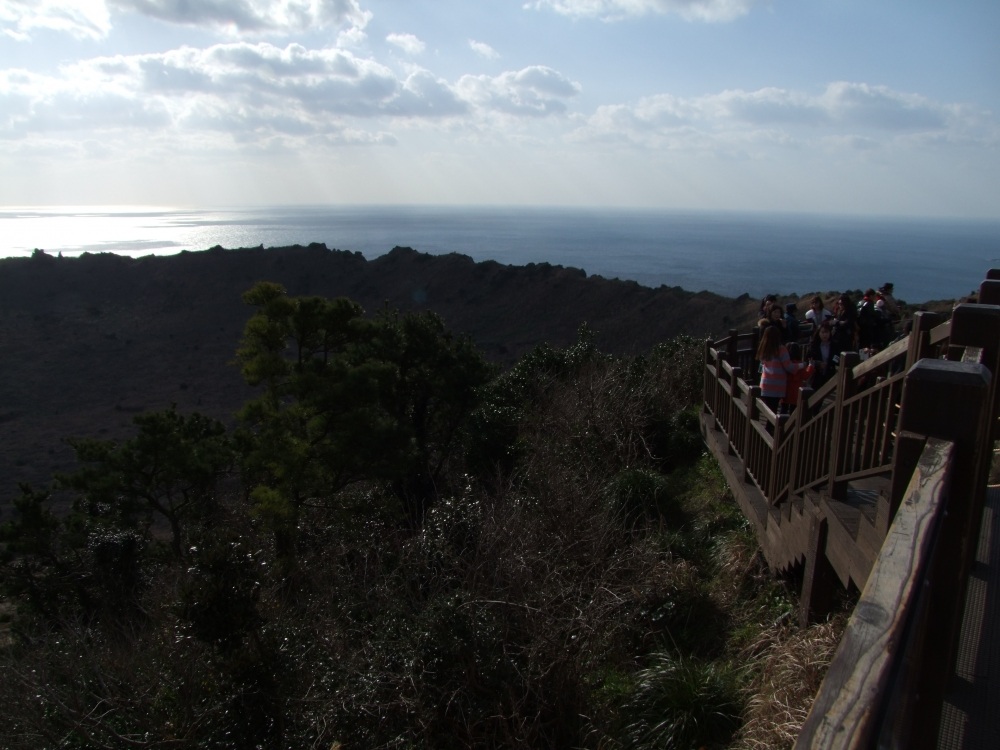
773	316
817	313
822	355
791	323
775	367
796	379
887	303
845	325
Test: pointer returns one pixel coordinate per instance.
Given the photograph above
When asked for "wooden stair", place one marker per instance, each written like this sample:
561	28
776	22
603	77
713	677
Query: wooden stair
787	531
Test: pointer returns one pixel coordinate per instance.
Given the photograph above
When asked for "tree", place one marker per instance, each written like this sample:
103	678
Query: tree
169	470
348	399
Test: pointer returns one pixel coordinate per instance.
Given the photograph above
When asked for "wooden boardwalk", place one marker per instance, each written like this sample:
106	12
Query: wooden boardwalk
878	482
971	716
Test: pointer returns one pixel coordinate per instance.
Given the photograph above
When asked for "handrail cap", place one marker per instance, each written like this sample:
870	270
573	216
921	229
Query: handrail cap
945	371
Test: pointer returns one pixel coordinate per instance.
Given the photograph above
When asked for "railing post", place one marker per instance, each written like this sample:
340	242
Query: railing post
919	347
846	388
979	326
989	290
907	450
946	400
733	346
711	390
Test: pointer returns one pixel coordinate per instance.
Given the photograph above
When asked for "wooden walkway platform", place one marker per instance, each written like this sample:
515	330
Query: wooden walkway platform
971	716
878	483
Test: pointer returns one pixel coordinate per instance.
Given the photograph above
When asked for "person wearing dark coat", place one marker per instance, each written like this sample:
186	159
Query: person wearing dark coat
845	325
822	354
791	323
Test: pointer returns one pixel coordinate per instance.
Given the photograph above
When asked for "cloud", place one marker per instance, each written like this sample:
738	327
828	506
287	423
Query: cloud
616	10
91	19
256	95
483	50
844	113
252	16
410	44
83	19
881	108
534	91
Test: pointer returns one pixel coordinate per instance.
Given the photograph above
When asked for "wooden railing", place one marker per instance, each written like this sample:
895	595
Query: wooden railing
839	433
919	419
867	675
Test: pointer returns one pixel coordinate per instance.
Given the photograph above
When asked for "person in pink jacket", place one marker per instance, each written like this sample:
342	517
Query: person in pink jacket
775	367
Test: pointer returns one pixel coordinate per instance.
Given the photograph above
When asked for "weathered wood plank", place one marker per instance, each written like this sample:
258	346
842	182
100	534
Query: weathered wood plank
846	711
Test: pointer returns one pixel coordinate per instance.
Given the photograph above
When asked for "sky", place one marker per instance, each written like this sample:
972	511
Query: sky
871	107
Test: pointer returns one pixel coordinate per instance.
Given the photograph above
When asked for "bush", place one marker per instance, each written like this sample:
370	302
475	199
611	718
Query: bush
642	496
681	704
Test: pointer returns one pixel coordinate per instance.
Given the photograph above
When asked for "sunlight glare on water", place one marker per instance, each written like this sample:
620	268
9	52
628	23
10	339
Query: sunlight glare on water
124	230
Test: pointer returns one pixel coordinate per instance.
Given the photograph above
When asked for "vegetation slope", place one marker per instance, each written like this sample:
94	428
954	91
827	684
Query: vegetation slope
399	545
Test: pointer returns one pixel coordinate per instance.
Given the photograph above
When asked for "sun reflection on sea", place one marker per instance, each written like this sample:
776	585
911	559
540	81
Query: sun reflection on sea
71	230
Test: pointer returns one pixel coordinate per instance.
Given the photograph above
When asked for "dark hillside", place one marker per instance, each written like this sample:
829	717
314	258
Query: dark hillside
88	342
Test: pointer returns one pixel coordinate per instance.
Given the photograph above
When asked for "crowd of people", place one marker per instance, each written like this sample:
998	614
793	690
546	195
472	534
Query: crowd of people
865	326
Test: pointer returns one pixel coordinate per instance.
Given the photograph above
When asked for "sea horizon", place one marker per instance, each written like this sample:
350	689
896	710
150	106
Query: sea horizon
727	252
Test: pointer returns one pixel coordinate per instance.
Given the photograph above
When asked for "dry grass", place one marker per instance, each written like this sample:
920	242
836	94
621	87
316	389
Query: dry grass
792	664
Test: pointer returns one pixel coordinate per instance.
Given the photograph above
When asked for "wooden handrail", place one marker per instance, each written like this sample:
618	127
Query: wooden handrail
850	706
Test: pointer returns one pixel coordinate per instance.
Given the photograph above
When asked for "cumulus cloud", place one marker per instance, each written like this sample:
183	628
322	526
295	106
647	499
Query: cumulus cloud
616	10
83	19
254	95
535	91
91	19
844	112
252	16
483	50
409	43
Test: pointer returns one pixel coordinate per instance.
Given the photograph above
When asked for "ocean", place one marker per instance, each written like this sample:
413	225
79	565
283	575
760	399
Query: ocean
726	253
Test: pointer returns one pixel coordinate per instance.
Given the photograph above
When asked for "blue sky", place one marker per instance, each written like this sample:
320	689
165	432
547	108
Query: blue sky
839	106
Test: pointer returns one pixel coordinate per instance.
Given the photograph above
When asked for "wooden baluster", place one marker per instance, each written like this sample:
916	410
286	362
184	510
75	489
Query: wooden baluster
846	387
734	380
774	482
709	389
752	414
719	393
794	471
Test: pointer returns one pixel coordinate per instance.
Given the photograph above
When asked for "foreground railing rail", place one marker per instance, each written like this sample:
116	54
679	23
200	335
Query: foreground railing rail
851	709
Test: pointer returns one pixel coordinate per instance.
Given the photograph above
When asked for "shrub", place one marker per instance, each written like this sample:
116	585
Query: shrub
681	703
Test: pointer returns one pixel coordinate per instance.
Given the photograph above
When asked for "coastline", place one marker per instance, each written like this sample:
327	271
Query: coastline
727	253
